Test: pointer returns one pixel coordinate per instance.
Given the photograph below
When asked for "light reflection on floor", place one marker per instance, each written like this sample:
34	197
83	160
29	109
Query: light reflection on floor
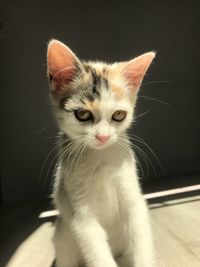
173	191
37	250
164	193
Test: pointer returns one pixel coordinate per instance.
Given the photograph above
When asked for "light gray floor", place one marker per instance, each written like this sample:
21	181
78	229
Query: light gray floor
177	233
176	227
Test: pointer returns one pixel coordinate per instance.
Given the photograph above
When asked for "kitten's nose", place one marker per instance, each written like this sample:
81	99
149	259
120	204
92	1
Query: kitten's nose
103	138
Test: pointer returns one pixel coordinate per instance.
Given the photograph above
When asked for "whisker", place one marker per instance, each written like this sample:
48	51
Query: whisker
156	82
46	159
139	140
128	144
63	153
58	154
148	159
48	137
44	128
83	149
144	157
140	152
143	114
155	99
75	152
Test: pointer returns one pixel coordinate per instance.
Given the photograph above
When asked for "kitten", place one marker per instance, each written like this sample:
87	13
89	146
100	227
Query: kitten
103	219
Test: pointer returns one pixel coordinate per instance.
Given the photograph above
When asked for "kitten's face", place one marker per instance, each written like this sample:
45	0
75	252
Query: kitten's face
93	102
99	109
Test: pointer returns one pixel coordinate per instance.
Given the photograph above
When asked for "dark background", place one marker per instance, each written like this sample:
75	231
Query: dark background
106	30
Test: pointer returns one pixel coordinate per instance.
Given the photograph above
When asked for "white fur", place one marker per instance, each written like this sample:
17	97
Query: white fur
103	217
103	214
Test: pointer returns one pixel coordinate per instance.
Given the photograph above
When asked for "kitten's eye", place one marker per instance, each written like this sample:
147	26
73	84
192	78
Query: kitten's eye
119	115
83	115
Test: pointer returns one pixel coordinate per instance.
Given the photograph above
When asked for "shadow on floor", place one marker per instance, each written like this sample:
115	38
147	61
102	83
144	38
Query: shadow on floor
162	200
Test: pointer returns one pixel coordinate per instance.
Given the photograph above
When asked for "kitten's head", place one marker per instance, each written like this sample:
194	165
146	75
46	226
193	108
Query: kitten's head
93	101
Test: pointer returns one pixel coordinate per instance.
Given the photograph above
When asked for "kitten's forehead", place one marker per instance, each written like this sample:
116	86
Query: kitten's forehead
105	79
99	88
96	75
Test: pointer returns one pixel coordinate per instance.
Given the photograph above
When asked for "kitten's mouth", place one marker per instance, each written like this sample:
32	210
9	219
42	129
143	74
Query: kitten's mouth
99	144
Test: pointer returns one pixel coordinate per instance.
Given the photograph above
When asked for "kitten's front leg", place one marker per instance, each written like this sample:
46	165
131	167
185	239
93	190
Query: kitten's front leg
140	248
140	243
92	240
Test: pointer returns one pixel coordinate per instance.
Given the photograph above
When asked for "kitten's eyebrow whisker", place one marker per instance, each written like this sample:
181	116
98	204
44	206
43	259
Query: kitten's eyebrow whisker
155	99
44	128
48	137
143	114
155	82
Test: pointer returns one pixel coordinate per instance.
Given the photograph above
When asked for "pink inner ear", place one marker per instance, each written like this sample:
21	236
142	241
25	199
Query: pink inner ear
63	76
61	62
135	69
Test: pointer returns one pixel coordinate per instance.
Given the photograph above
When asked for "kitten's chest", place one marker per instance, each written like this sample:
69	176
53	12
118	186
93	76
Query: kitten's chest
104	197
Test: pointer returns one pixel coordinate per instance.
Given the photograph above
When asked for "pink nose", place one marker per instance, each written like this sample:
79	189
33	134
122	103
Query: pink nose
103	138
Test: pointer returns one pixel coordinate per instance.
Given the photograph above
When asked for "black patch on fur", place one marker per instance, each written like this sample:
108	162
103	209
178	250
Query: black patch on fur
81	100
63	101
105	81
90	97
50	77
104	71
96	83
87	68
78	68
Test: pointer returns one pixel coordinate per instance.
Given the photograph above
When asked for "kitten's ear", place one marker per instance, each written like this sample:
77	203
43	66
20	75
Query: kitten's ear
62	66
135	69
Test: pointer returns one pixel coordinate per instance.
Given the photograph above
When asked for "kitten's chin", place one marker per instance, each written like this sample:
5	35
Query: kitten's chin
100	147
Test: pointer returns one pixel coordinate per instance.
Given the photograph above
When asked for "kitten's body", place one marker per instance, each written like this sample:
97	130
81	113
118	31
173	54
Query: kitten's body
103	218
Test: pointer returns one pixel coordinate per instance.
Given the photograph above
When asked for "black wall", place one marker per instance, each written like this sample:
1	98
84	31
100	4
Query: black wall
111	31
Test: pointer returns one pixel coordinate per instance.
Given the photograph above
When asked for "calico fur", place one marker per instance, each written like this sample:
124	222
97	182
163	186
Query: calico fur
103	219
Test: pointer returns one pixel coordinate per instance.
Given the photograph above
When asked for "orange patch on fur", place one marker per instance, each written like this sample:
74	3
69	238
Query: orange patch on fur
118	92
93	105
